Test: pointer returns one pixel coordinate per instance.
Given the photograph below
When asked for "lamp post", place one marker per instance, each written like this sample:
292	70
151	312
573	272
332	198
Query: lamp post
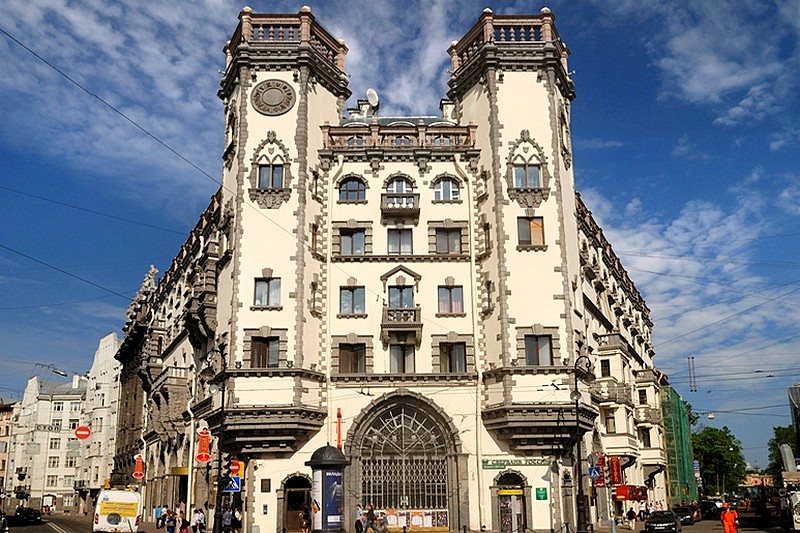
210	375
583	365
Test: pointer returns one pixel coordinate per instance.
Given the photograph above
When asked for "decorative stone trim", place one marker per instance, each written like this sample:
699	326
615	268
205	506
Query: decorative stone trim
451	338
540	330
265	152
352	338
352	224
273	97
461	225
531	247
528	197
265	331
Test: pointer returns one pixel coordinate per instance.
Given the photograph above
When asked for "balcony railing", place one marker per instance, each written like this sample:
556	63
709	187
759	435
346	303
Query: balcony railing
399	320
611	392
400	204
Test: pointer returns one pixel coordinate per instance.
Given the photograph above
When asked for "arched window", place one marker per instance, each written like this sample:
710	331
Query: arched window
355	140
400	192
352	190
446	189
526	174
402	140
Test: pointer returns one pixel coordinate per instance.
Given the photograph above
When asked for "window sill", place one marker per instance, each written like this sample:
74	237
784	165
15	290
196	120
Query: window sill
458	201
350	202
266	308
454	315
353	315
531	247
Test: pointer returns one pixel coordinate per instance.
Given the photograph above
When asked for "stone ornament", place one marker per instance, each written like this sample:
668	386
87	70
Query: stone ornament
273	97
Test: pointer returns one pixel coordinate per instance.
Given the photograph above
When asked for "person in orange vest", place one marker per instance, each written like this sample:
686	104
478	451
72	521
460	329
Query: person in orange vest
729	518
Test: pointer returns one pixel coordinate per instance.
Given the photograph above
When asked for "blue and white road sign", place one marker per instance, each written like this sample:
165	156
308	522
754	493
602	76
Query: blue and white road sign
594	472
234	484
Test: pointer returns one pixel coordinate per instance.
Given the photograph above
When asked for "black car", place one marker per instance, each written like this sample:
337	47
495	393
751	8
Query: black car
708	509
662	521
685	514
28	514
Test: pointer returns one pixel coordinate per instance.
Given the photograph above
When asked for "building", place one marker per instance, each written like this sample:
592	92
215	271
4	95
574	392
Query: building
430	291
44	450
682	483
6	420
794	406
100	415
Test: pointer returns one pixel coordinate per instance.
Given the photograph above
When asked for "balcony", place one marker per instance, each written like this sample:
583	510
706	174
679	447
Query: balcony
400	205
401	320
611	392
648	415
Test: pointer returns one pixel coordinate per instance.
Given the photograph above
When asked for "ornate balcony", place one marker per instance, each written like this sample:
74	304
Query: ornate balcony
611	392
403	205
401	320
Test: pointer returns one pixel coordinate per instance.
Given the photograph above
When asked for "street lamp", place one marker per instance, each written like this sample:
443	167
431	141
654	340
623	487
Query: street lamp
583	366
210	375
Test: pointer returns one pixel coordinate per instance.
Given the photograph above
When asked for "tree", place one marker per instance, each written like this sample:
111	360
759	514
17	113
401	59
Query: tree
781	435
722	465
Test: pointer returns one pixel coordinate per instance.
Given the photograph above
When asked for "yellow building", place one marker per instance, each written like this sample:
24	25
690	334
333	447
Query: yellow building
434	280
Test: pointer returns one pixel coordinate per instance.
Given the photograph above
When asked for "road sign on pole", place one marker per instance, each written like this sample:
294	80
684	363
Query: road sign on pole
594	472
234	484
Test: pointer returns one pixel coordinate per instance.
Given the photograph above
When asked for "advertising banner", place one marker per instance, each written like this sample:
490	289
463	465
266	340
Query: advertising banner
332	514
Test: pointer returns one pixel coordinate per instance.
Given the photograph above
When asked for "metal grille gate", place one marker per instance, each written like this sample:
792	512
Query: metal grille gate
404	463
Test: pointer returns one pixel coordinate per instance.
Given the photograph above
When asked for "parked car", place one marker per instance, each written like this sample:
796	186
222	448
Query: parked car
685	514
708	509
662	521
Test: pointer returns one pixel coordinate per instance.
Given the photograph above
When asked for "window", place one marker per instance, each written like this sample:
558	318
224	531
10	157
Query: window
531	231
270	176
538	350
264	352
401	358
52	480
351	301
643	396
52	461
401	297
399	193
352	358
55	444
69	462
453	357
69	481
58	407
526	176
446	189
103	396
448	241
57	424
441	140
402	140
268	292
644	433
610	421
352	190
74	423
451	301
352	241
75	407
400	242
355	140
98	425
605	368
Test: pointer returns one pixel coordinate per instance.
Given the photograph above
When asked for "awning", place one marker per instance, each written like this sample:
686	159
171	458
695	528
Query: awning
630	492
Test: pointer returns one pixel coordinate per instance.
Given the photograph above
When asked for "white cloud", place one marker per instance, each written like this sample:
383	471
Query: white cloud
596	144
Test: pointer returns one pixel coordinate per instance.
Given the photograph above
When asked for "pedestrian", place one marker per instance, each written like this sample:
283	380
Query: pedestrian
631	516
164	514
371	518
305	526
236	521
227	520
729	518
201	521
158	518
171	521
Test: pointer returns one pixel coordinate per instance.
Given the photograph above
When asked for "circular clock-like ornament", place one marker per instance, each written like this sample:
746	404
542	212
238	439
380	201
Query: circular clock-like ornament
273	97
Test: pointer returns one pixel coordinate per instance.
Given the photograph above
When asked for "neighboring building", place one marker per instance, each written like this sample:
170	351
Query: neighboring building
794	406
6	421
436	279
682	484
100	415
44	450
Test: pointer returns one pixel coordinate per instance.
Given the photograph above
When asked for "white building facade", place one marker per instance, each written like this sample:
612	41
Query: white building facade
429	291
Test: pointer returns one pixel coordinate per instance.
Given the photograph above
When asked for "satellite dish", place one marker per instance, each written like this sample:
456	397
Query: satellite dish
372	97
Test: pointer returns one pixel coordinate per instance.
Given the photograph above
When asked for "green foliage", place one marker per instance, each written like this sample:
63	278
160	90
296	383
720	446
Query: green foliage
722	465
781	435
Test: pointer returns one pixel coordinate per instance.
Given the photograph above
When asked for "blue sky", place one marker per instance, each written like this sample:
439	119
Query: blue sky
685	133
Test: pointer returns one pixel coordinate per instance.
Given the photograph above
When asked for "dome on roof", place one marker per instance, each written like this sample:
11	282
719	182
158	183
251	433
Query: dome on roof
327	456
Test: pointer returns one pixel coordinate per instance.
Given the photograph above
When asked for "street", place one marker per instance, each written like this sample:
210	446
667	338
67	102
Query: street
67	523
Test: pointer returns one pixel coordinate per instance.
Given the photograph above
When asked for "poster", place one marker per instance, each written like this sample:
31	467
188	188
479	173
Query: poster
316	499
332	516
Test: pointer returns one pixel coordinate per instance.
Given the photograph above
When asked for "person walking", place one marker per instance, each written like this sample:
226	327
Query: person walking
631	516
158	517
729	518
227	520
201	521
171	522
236	522
371	517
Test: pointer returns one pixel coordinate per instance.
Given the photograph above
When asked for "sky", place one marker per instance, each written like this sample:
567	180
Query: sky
685	135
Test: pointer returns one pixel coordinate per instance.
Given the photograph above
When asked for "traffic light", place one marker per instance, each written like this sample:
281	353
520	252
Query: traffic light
228	460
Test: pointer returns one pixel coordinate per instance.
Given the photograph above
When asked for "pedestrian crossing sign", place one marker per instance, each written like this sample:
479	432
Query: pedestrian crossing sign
234	484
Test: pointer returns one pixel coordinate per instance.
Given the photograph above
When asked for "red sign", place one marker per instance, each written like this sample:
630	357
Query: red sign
203	455
615	469
82	432
235	467
138	471
601	464
630	492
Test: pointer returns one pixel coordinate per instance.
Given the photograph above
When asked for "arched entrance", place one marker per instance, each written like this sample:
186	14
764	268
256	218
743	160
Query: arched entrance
405	463
296	500
512	502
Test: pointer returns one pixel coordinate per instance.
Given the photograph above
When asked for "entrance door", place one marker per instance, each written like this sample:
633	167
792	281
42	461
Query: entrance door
512	510
298	500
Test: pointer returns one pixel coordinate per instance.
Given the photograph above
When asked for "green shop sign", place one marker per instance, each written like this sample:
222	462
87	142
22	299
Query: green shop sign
498	464
541	493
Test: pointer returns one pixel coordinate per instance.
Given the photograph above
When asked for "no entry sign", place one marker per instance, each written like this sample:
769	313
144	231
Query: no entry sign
82	432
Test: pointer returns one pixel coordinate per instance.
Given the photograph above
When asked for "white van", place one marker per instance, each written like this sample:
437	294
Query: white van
118	511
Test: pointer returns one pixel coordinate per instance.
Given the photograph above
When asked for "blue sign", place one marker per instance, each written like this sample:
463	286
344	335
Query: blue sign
234	484
594	472
332	499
